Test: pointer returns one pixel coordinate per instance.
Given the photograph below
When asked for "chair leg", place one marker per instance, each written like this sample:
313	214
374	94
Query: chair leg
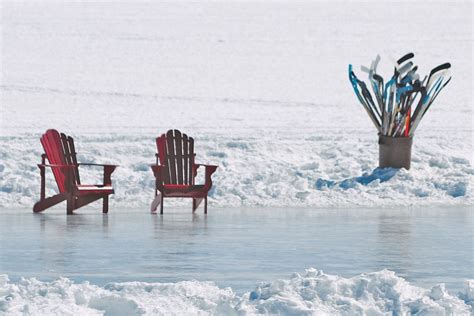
43	204
196	203
205	205
70	204
105	204
161	204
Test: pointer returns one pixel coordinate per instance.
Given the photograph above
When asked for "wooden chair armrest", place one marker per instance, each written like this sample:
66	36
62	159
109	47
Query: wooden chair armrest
210	169
157	166
204	165
158	173
108	170
52	166
56	166
157	170
97	164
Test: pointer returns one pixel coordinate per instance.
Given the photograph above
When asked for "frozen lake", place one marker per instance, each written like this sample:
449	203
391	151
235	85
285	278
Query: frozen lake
238	248
263	88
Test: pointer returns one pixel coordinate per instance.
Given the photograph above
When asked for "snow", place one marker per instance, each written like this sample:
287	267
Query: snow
309	293
262	87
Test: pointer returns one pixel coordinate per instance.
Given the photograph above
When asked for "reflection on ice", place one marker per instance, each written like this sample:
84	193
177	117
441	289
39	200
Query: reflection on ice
238	247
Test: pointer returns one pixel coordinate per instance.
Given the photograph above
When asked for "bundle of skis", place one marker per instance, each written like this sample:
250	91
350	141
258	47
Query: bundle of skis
398	106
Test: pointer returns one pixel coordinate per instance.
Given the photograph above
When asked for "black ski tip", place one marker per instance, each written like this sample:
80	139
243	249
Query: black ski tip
440	67
447	81
405	58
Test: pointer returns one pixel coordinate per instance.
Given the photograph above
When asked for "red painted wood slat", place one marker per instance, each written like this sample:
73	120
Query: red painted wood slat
185	159
191	160
170	152
178	156
50	142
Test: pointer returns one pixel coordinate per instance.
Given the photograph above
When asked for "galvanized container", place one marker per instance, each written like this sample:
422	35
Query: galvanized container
395	152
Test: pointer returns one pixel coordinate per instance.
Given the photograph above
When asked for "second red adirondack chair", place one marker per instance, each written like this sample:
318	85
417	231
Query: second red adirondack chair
60	151
175	170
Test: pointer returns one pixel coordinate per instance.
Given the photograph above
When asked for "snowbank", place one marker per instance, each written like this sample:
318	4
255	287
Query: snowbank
283	169
312	292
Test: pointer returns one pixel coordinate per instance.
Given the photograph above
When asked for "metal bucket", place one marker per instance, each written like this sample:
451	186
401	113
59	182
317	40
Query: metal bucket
395	152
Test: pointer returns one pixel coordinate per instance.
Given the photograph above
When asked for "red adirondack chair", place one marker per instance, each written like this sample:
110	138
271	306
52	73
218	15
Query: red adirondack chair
60	151
175	170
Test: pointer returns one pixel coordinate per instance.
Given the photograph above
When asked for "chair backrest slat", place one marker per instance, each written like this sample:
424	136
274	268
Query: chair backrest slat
191	160
170	154
74	158
185	158
59	150
179	156
161	146
176	153
70	156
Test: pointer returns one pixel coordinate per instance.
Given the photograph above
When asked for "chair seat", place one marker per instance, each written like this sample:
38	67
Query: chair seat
85	189
177	186
184	190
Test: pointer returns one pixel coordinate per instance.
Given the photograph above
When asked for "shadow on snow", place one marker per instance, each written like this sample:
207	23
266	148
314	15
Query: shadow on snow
381	174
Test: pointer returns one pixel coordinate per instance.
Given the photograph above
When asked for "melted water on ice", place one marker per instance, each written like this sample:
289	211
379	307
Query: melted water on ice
237	247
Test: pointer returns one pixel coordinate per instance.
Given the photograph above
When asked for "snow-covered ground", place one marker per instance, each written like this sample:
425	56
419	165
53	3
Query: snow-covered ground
263	88
310	293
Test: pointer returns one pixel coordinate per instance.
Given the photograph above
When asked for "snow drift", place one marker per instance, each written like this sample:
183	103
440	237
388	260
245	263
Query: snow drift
285	169
309	293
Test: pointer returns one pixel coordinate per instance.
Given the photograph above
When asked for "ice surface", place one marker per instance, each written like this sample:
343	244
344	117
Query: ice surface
262	87
238	247
309	293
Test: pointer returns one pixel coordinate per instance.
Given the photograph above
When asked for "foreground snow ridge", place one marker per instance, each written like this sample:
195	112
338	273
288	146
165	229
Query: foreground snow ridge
312	292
